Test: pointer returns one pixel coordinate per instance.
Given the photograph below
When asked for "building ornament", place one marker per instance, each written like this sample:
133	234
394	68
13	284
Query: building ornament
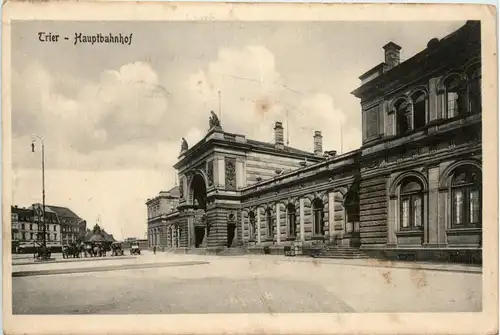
184	145
214	120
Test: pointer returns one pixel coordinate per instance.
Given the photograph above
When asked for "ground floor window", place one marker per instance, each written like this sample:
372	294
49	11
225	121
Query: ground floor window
411	204
318	217
466	197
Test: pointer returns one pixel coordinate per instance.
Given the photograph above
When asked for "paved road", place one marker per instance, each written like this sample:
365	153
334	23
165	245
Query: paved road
253	284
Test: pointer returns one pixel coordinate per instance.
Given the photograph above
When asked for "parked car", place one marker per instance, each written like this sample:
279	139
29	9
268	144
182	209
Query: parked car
134	249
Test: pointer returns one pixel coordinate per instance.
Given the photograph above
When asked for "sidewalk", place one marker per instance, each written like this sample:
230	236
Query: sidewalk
371	262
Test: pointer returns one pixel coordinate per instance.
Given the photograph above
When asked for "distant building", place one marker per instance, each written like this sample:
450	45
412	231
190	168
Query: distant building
73	227
159	209
27	227
97	234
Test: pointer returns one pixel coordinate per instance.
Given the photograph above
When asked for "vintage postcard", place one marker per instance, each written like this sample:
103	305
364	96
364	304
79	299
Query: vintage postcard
175	168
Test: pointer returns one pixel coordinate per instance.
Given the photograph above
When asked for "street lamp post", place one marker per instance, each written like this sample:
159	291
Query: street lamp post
33	140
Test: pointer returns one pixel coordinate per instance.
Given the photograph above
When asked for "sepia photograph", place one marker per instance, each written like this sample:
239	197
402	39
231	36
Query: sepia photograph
230	166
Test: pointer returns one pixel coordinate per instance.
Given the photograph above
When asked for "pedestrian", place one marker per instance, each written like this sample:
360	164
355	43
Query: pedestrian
154	249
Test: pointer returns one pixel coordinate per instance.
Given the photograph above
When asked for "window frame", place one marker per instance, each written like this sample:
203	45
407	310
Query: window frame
411	196
466	189
251	226
269	224
474	78
318	231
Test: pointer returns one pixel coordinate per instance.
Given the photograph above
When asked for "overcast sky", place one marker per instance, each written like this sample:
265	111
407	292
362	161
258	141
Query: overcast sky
112	115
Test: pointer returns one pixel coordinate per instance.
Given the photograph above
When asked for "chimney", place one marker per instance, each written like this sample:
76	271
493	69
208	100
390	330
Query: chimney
392	55
318	143
278	135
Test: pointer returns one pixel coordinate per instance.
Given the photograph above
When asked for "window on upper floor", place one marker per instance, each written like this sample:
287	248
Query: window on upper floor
454	96
474	88
419	101
403	116
372	122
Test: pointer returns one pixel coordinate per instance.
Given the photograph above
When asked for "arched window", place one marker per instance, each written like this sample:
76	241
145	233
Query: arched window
419	109
269	222
318	216
251	226
453	95
403	115
474	87
466	197
411	202
291	217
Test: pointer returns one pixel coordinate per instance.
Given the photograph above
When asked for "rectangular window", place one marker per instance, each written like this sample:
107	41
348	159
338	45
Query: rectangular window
417	211
405	213
458	210
372	123
452	104
474	206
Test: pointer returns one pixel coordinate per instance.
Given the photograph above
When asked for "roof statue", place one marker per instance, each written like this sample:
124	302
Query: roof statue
214	120
184	145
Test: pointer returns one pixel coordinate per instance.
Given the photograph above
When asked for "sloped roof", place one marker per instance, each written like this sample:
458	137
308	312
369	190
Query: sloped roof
102	236
174	191
286	148
47	208
64	212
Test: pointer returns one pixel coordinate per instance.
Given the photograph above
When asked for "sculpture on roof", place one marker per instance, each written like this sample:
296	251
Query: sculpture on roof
214	120
184	145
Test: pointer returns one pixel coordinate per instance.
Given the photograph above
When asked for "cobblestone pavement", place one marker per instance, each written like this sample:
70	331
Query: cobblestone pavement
249	284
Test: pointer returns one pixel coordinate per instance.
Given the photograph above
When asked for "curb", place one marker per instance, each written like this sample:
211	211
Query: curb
104	269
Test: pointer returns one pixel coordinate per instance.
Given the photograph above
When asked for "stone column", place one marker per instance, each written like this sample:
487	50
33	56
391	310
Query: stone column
301	220
258	225
278	223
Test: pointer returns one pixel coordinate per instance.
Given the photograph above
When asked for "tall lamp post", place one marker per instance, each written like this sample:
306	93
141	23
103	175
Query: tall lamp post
34	138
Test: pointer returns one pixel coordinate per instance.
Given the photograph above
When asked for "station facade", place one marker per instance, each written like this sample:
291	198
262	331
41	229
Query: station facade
414	186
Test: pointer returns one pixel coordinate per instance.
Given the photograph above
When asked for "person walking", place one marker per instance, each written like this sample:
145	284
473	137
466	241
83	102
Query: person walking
154	249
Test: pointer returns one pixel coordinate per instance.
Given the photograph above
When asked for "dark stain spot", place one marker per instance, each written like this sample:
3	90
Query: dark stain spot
387	277
262	106
418	277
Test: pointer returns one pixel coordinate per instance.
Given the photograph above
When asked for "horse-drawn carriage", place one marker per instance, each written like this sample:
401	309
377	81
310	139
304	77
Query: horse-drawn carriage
95	250
73	250
43	252
117	249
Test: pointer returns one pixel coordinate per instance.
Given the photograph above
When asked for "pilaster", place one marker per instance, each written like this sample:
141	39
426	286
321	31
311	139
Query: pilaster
278	223
258	225
331	215
301	219
433	213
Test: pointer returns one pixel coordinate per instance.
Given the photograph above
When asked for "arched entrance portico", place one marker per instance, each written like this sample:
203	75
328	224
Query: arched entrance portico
198	193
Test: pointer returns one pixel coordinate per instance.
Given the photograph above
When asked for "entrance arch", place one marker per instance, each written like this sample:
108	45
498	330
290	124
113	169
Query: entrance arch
198	196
